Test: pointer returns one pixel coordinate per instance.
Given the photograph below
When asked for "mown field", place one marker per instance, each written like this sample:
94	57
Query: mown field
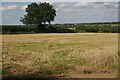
66	55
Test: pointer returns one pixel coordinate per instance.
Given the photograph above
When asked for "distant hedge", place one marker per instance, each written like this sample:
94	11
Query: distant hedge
21	29
62	28
17	29
105	28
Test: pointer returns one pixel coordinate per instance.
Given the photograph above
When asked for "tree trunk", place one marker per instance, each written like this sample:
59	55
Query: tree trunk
50	24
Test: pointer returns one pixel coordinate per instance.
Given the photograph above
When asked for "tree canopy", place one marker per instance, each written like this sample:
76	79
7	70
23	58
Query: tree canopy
39	14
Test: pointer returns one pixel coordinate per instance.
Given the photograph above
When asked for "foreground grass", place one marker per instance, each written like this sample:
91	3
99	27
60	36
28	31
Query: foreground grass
60	55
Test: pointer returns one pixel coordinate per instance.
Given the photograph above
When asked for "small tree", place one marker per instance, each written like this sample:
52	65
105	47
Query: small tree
38	15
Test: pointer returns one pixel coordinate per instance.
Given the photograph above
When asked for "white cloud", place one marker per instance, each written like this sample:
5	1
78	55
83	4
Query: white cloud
57	9
103	0
62	5
79	4
108	5
24	7
116	6
68	9
1	8
82	4
47	1
9	7
105	5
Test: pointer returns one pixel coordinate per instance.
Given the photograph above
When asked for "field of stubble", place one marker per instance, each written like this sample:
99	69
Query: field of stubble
70	55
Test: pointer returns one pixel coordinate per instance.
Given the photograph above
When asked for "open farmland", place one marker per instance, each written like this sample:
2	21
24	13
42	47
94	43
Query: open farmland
72	55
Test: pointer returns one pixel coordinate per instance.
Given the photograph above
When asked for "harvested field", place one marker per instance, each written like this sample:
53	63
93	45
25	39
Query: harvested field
66	55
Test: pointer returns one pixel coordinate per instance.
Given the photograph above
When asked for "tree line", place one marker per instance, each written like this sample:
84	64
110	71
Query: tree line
62	28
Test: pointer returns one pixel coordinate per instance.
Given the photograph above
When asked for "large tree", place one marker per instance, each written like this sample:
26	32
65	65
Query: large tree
39	14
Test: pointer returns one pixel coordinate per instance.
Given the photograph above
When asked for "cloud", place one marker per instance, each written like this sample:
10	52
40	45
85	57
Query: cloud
108	5
81	4
105	5
47	1
103	0
65	10
1	8
9	7
24	7
9	16
116	5
57	9
68	9
62	5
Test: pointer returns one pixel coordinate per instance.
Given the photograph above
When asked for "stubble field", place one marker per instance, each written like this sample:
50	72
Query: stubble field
66	55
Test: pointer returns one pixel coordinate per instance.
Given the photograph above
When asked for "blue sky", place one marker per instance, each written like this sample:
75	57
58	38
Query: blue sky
67	12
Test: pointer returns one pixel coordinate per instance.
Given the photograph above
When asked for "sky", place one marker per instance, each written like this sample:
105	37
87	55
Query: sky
67	12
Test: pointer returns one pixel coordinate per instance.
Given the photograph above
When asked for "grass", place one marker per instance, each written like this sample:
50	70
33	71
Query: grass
61	55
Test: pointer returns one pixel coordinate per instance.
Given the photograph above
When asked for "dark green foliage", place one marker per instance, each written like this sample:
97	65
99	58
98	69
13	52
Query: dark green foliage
18	29
62	28
51	29
89	27
23	29
38	15
105	28
40	28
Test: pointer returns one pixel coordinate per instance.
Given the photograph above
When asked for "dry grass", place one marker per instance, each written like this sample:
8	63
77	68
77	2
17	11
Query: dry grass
61	55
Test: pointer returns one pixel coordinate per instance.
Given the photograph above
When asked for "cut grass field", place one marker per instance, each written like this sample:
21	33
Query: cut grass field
70	55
